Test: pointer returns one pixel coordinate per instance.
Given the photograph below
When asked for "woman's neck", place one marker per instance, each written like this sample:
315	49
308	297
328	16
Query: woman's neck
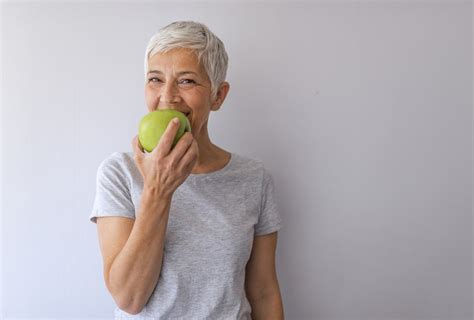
211	157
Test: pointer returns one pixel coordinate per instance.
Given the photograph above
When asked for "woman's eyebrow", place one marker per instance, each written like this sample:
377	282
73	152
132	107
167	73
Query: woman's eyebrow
179	73
187	72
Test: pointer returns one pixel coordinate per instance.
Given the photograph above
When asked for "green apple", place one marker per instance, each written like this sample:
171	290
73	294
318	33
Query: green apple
154	124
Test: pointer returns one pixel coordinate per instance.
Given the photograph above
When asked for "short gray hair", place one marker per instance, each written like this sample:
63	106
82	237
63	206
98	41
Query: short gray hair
196	36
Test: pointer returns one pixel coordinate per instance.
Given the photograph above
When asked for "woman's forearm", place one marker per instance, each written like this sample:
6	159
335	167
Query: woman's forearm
268	307
136	269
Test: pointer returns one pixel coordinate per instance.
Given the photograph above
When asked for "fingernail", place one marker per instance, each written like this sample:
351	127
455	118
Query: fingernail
175	120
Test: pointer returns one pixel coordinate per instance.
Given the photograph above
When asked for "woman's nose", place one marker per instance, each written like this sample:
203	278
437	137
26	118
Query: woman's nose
170	93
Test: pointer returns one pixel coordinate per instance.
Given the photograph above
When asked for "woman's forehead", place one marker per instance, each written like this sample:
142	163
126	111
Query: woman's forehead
177	60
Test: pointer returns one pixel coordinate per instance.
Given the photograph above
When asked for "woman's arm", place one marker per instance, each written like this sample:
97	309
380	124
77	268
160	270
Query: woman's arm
261	281
133	251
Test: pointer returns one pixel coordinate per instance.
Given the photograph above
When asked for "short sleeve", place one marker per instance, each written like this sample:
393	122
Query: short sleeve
112	196
270	219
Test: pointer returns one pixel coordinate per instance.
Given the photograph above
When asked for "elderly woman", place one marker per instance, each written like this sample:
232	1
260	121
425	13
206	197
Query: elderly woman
187	232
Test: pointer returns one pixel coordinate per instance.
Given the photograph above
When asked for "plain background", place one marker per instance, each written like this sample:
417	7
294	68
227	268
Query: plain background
362	111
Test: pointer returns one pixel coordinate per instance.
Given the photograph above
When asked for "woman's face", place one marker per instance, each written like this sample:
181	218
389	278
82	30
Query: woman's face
175	80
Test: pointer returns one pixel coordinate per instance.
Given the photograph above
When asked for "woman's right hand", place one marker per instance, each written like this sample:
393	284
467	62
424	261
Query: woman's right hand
164	170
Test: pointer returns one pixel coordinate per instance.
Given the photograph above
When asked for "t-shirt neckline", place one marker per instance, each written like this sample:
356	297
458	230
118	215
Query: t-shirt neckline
220	171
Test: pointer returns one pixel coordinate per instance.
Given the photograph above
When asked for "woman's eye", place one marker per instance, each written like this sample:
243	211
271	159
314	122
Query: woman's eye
187	81
154	80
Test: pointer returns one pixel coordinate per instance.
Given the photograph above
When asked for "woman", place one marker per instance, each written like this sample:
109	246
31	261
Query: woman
188	232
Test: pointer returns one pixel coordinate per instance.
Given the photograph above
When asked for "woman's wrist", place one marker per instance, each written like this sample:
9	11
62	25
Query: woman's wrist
154	204
152	193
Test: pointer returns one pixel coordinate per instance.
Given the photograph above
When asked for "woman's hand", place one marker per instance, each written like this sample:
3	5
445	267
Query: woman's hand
164	170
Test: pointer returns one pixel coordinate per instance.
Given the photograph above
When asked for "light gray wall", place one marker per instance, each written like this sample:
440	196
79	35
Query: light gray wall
362	112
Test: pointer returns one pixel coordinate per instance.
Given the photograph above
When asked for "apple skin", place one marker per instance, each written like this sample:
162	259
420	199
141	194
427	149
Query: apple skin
153	125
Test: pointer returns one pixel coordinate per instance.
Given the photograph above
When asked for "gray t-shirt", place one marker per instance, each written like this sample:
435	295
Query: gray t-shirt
212	223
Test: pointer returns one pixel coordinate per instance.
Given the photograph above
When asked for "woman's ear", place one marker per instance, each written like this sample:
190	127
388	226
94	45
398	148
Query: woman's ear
220	96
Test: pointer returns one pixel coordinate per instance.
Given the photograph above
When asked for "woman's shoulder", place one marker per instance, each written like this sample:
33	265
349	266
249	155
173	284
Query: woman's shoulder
254	166
119	162
249	164
118	158
246	160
